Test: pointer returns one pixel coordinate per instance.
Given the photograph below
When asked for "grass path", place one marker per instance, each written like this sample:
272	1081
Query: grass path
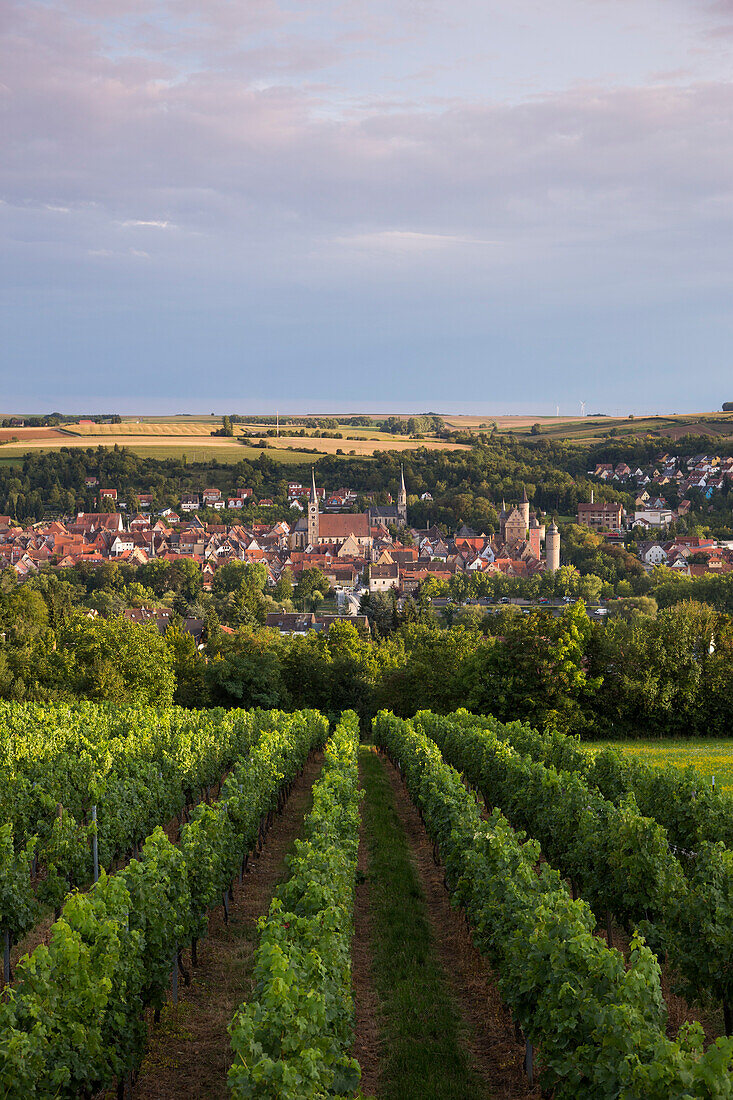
188	1052
442	1032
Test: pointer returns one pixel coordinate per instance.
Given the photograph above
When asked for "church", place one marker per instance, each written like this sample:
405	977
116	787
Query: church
521	534
346	531
518	525
392	514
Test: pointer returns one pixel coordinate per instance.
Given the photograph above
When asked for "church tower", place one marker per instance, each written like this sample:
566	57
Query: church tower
313	521
552	548
402	498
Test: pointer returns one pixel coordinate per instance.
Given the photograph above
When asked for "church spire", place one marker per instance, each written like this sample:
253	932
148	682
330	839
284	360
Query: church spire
402	497
314	523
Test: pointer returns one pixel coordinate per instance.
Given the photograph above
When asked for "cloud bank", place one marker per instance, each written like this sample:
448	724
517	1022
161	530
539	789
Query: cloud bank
285	198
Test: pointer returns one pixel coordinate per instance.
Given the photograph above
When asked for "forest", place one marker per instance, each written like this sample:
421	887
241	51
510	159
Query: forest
466	486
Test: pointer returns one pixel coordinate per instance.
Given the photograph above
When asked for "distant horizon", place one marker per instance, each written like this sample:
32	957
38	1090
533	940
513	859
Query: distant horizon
264	409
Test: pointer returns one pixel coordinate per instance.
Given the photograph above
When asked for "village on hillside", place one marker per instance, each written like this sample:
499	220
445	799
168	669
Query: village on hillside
374	551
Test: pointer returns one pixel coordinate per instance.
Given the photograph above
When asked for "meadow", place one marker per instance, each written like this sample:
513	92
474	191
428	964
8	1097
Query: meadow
709	758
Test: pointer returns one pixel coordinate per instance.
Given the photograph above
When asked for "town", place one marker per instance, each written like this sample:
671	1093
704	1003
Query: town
374	551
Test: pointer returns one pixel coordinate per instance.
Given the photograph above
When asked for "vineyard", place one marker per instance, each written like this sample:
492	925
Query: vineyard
585	902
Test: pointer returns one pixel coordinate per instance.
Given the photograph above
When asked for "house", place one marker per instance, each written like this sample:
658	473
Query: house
652	553
108	494
291	622
161	616
382	578
94	521
653	517
361	622
121	544
601	515
190	502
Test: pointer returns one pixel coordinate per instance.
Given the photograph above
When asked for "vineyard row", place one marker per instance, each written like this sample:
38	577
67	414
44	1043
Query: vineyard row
74	1020
599	1026
619	860
291	1040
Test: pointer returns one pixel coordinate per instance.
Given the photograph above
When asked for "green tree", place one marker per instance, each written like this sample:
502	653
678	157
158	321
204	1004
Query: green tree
310	581
536	670
114	660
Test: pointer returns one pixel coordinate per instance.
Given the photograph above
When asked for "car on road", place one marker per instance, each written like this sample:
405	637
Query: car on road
543	600
504	599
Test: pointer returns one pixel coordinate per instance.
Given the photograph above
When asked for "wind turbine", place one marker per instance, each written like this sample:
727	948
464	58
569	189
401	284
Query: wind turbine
582	408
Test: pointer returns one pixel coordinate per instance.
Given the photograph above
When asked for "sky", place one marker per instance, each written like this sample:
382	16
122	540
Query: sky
455	205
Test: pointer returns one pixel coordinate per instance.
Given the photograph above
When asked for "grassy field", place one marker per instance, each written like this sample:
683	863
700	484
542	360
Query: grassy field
710	758
195	451
718	425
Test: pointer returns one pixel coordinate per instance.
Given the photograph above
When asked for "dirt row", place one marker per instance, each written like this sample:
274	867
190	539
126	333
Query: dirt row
188	1051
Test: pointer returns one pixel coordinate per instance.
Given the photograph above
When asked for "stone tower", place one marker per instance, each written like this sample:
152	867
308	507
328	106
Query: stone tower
402	498
524	508
313	521
552	548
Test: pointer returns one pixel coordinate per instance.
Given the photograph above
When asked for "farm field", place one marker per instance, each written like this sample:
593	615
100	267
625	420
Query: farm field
709	758
225	450
153	428
179	431
195	450
718	425
30	434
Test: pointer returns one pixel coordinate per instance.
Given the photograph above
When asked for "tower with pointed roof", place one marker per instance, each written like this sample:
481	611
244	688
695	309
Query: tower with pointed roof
552	548
524	508
313	516
402	498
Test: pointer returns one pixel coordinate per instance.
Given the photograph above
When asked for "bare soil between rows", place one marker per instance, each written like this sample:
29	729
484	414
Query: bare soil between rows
189	1052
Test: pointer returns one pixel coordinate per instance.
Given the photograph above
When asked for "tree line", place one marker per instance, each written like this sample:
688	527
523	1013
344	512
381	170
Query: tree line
639	674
